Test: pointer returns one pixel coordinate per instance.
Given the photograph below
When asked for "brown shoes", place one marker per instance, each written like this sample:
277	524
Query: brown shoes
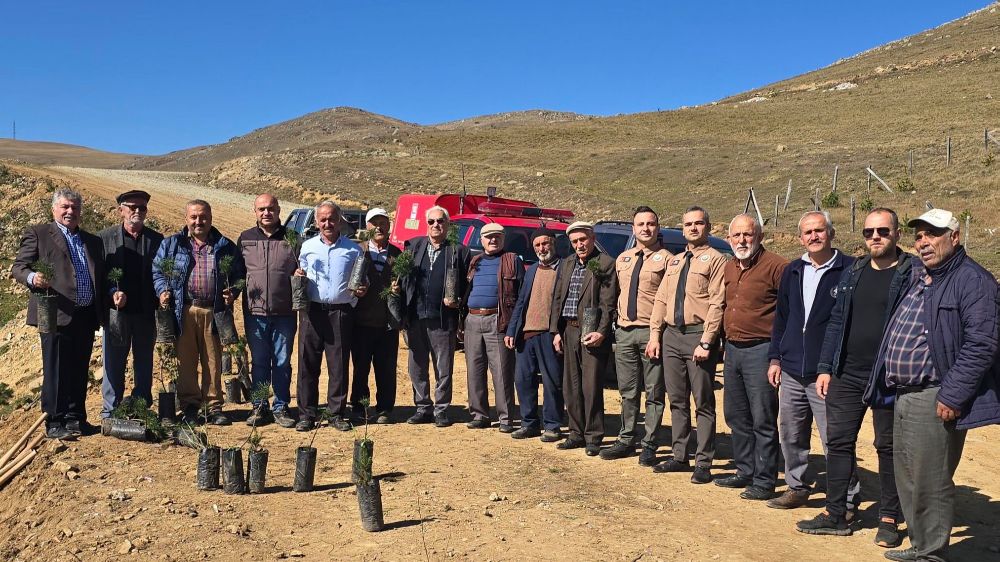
791	499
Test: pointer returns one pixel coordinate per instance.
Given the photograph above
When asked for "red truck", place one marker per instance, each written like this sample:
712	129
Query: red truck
470	212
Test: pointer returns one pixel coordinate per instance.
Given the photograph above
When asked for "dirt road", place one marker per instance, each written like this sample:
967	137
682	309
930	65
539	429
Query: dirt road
232	211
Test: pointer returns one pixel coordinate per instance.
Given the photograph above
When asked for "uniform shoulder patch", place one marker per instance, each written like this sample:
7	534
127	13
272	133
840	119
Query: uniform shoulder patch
705	257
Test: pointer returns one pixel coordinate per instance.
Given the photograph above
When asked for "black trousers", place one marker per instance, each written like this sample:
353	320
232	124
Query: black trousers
324	332
65	366
583	391
845	413
374	347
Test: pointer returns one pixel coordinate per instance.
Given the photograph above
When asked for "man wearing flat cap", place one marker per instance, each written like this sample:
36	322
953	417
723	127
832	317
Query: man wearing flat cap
130	248
494	279
938	357
586	286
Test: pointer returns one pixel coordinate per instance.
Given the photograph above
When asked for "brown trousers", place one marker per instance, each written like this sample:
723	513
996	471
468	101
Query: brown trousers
583	391
198	344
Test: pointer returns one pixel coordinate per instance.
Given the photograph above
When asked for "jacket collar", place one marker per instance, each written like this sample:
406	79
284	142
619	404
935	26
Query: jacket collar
951	264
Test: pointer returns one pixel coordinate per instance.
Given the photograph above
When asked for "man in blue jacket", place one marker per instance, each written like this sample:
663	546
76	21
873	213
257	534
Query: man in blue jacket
528	334
197	291
939	356
806	296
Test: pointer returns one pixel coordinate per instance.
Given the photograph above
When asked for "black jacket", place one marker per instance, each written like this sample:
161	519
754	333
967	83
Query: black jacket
114	256
456	257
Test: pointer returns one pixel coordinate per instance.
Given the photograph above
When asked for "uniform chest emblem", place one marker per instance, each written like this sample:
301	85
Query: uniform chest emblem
675	262
657	258
626	259
704	257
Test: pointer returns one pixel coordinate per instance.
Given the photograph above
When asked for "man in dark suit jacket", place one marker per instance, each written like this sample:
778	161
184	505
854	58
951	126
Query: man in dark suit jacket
578	292
129	247
77	261
431	319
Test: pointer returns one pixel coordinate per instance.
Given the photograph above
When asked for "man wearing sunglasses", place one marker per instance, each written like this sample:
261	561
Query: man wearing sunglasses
130	247
939	357
431	319
867	295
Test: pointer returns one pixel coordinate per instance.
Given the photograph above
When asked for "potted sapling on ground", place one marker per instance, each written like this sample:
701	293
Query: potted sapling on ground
367	487
305	460
166	327
359	272
451	271
402	266
592	314
233	478
132	420
208	454
116	329
236	363
48	302
168	369
256	454
225	323
300	298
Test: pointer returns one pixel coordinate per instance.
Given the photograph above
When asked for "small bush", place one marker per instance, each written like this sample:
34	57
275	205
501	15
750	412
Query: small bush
831	199
906	184
988	160
866	205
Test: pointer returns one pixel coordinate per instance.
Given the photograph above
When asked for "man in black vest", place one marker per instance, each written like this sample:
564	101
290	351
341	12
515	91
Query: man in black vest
432	314
130	247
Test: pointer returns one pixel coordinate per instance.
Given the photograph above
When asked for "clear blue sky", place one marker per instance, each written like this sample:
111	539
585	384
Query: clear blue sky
150	77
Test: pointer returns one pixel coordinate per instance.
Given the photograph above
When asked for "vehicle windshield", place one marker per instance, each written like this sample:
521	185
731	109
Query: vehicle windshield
613	243
517	239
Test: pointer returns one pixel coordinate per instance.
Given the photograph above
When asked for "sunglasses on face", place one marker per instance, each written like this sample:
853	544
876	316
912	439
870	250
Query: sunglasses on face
435	221
883	232
135	208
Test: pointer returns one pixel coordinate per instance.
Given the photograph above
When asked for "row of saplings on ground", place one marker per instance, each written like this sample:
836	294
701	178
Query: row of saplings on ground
134	421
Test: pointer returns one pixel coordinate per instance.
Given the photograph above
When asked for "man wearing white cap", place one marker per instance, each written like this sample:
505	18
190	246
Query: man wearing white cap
494	279
375	341
586	286
939	356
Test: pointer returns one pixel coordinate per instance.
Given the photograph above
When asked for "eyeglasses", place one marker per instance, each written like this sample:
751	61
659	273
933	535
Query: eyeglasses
135	208
883	232
435	221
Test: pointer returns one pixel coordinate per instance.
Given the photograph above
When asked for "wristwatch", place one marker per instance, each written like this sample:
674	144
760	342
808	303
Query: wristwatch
705	346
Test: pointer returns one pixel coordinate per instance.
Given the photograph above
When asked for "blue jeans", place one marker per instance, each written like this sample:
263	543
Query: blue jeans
539	357
270	339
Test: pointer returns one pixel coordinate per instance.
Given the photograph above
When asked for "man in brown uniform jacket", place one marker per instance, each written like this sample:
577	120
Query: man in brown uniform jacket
751	403
690	302
579	291
640	270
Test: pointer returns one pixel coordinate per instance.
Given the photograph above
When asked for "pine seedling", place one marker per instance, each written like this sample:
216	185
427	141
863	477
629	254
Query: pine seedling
115	276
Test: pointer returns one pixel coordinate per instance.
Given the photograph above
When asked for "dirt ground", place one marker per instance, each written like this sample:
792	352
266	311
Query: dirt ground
451	493
447	493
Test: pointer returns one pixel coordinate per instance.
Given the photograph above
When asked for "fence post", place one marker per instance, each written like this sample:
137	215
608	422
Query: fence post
788	195
777	197
836	169
817	199
966	241
986	140
869	181
948	163
909	169
852	213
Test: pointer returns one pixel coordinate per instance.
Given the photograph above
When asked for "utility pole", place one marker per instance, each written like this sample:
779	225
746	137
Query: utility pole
13	130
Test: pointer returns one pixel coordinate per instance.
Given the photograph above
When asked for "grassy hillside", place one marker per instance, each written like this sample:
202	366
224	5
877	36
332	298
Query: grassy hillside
34	152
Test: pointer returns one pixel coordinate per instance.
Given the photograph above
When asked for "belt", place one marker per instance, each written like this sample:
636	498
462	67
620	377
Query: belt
483	311
329	306
575	322
743	344
200	303
906	389
689	328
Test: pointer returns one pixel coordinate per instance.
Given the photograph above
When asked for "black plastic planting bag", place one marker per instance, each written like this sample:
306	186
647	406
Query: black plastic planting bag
256	471
370	505
208	468
305	469
232	471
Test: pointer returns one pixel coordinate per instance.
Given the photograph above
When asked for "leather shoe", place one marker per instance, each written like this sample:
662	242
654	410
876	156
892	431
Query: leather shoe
733	481
671	465
78	428
218	418
478	423
341	423
421	417
305	425
506	428
619	450
647	457
791	499
441	420
383	418
259	417
757	493
59	432
904	555
526	432
593	450
282	418
888	535
701	475
550	436
571	443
